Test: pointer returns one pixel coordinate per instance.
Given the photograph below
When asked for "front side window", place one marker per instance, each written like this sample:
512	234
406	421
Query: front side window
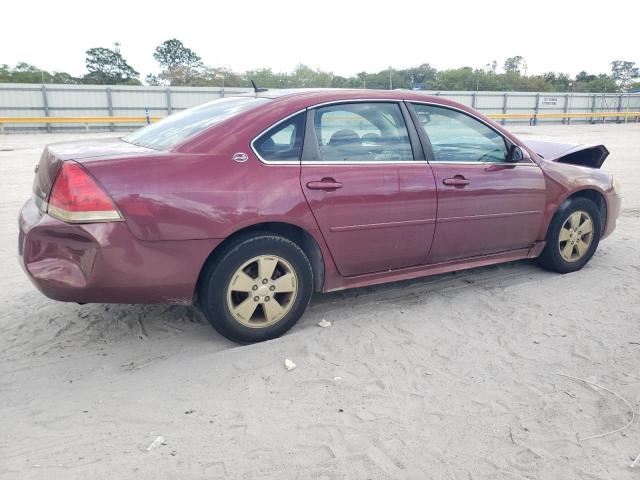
362	132
177	128
282	142
457	137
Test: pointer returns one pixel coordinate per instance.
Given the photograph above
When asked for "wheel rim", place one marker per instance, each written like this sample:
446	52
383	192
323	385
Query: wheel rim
262	291
576	235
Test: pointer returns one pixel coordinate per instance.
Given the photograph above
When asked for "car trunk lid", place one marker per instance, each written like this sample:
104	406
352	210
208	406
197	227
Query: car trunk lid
575	154
81	151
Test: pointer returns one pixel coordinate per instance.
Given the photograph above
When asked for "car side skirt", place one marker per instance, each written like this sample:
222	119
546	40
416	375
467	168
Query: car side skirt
437	268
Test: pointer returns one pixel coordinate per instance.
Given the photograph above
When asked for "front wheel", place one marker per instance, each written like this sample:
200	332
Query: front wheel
257	289
573	236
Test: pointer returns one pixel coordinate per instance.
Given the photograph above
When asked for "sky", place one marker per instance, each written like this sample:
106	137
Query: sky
344	37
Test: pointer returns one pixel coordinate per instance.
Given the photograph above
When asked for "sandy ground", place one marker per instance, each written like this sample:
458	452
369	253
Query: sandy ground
449	377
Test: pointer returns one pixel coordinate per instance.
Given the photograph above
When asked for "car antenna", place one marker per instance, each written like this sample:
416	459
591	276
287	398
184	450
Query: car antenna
256	89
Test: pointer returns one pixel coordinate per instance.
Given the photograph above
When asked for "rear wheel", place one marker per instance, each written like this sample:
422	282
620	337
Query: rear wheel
572	237
257	289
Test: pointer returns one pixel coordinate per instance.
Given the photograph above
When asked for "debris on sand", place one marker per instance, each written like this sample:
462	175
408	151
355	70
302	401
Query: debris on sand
324	323
288	364
155	443
595	386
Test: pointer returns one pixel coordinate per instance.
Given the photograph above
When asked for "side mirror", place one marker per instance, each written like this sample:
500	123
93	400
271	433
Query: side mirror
424	117
515	154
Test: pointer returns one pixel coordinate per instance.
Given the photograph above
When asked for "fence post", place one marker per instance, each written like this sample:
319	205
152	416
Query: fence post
45	103
619	107
504	105
168	96
566	108
535	114
473	100
593	107
110	106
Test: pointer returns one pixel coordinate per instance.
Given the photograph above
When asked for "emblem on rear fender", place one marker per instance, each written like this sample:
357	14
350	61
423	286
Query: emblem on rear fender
240	157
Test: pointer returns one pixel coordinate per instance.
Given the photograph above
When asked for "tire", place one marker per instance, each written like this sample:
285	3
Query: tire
245	307
562	257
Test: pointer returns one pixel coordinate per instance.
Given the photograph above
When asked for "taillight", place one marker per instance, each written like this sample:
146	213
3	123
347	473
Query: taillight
76	197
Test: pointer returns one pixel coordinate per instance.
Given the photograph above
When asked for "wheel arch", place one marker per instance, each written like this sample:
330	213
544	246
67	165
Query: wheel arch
590	193
296	234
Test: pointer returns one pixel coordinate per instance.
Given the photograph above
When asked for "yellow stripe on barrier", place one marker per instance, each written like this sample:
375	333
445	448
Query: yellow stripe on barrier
496	116
506	116
77	119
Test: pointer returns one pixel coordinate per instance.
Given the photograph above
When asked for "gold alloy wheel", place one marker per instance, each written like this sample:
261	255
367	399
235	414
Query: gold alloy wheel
576	235
262	291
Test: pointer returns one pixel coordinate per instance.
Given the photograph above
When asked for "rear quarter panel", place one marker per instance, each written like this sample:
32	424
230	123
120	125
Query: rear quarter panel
181	196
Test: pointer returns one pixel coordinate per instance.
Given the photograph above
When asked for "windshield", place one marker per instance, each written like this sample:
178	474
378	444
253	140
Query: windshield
176	128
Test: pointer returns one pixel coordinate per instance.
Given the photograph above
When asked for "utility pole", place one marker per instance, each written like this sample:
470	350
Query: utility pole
390	79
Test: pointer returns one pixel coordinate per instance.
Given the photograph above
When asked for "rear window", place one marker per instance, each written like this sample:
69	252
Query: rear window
178	127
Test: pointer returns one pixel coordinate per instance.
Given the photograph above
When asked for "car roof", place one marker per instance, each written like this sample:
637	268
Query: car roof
321	95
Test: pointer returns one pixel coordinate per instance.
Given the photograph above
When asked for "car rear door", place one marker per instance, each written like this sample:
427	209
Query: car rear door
486	204
370	189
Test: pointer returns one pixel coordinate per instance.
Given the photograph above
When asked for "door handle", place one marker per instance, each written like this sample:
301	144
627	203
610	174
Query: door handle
457	181
324	184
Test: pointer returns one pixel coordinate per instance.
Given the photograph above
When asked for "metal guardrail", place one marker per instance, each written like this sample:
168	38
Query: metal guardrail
532	117
82	120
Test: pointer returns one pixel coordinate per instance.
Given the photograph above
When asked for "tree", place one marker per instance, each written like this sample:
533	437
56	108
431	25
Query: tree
306	77
26	73
108	67
513	64
181	65
424	74
624	73
584	77
456	79
265	78
341	82
154	81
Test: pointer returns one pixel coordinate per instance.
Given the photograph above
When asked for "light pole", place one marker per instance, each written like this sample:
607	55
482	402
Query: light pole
390	79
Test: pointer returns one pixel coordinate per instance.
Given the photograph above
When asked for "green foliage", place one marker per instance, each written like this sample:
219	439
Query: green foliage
108	67
181	65
25	73
624	73
514	64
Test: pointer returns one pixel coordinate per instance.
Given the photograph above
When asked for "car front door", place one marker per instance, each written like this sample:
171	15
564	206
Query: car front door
486	203
370	189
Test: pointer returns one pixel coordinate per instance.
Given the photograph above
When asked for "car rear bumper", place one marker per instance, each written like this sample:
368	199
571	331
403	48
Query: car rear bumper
104	262
614	202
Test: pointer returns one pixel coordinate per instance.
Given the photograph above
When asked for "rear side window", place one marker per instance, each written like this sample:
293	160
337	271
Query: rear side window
361	132
283	142
177	128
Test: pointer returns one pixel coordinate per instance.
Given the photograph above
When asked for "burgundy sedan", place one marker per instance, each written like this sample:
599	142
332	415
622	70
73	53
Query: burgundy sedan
247	205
